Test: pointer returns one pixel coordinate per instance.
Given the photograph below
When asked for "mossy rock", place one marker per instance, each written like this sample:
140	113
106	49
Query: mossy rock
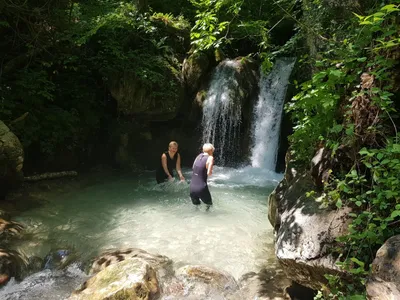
132	279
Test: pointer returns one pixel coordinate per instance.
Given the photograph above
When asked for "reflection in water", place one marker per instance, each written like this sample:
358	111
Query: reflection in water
135	212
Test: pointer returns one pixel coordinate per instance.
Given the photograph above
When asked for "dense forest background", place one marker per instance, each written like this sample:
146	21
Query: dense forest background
70	69
77	78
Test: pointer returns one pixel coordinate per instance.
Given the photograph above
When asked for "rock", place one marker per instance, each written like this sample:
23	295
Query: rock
201	282
122	157
193	70
58	259
11	160
160	263
129	279
384	281
35	264
298	292
12	264
378	289
134	98
268	284
10	228
233	85
305	231
320	167
242	79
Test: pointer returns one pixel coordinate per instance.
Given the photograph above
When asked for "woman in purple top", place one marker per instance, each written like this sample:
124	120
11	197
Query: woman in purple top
202	168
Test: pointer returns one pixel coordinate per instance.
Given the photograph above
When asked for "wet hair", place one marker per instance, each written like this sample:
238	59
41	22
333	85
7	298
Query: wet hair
172	143
208	147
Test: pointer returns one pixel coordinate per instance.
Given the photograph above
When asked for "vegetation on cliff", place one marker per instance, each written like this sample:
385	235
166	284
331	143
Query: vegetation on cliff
350	107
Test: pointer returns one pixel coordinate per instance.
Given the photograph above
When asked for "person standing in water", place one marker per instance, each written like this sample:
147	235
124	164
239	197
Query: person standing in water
170	160
202	168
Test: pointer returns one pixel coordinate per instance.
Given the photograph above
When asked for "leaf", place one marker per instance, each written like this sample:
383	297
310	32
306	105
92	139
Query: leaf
357	261
395	213
339	203
336	73
390	8
359	16
365	23
337	128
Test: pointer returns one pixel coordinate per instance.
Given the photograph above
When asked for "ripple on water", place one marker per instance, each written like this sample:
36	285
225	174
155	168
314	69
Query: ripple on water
234	236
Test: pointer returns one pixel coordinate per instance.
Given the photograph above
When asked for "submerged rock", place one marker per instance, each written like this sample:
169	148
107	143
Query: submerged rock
58	259
9	228
129	279
201	282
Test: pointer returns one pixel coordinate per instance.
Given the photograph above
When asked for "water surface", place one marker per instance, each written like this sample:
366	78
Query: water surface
132	211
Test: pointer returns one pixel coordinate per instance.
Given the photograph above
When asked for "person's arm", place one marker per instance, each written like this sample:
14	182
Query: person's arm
164	165
210	165
178	168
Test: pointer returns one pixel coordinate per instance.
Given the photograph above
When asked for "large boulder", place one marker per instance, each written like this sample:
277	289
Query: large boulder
384	281
239	82
155	102
11	160
129	279
160	263
194	69
305	230
231	91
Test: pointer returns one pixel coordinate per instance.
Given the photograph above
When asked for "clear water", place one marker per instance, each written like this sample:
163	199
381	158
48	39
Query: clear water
234	236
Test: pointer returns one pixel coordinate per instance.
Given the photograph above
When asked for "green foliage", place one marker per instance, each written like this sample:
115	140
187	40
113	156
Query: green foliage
355	117
90	42
320	110
226	23
375	191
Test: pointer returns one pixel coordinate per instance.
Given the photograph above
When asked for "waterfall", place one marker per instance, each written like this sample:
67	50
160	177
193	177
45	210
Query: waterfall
268	114
222	112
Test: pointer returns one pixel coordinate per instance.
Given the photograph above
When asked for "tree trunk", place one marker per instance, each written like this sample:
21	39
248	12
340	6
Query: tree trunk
53	175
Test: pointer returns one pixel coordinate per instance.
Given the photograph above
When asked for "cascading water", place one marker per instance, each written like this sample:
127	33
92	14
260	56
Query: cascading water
222	111
268	114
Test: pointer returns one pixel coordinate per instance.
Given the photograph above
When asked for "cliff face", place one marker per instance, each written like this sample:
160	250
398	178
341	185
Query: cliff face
305	230
11	160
